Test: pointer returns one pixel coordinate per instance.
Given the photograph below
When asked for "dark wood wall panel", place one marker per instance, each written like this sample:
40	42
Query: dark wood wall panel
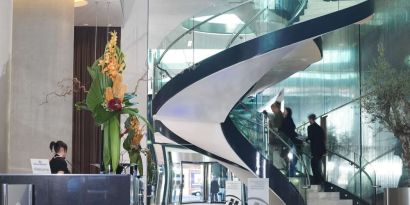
89	43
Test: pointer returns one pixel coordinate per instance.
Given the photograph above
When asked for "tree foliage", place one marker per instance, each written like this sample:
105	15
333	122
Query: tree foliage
387	99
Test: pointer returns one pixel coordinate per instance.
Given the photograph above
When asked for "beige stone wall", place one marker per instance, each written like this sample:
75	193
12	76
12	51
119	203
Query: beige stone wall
6	13
42	55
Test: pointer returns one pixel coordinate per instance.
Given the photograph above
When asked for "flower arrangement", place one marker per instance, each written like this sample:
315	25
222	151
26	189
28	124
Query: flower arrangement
107	100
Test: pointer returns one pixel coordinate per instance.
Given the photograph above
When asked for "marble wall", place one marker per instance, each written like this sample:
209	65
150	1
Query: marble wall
42	55
6	12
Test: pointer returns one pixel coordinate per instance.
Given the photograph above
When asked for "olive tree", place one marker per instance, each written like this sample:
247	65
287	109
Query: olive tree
387	101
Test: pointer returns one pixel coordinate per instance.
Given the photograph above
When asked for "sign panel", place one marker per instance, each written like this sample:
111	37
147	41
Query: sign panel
258	191
40	166
233	192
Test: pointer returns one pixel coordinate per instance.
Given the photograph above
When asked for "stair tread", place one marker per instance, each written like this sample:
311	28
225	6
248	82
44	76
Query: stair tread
329	202
323	195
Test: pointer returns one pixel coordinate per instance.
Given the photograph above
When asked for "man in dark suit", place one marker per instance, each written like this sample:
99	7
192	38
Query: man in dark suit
316	136
214	190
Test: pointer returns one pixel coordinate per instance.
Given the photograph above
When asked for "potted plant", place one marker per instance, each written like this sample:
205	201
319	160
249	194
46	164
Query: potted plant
107	99
387	101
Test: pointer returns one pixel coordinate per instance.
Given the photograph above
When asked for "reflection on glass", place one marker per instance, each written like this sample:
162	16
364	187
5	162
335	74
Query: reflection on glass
216	182
193	175
194	178
176	182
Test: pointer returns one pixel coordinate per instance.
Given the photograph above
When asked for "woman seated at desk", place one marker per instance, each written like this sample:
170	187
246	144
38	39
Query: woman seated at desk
58	164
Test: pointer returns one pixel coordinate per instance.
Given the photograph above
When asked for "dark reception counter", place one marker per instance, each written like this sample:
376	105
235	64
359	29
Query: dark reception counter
65	189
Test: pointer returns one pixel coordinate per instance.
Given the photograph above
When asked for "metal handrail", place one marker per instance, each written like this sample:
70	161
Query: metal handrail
194	27
353	163
334	109
361	170
380	156
290	22
303	153
245	26
285	143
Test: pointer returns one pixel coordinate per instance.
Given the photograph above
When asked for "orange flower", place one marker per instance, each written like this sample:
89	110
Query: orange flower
135	125
109	95
111	65
118	87
136	140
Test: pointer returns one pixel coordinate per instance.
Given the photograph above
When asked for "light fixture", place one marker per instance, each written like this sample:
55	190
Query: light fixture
80	3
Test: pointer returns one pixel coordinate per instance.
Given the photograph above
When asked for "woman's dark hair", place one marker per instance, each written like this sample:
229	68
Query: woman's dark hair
289	111
56	146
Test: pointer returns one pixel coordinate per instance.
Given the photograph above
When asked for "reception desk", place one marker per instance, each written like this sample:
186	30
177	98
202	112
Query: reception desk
65	189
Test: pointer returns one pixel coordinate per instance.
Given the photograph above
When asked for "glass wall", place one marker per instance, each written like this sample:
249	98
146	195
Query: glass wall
192	177
333	85
326	85
389	26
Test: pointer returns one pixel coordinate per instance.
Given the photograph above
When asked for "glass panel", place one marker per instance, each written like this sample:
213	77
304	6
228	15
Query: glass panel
175	176
216	29
216	182
193	176
273	146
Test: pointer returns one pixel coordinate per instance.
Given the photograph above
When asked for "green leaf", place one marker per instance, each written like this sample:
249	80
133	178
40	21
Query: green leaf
130	111
101	115
129	96
105	81
127	143
93	72
81	105
135	158
94	69
115	141
127	100
106	146
94	95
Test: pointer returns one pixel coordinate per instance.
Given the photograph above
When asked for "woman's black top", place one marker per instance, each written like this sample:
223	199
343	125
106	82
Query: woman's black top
58	164
288	128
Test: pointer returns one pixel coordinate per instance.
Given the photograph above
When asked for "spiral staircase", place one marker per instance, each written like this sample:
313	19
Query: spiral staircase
214	60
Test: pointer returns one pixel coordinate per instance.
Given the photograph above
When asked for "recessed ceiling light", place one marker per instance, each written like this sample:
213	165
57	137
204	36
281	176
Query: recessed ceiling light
86	24
80	3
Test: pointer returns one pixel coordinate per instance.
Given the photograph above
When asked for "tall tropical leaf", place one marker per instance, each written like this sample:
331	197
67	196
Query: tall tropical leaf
94	95
115	141
106	146
94	69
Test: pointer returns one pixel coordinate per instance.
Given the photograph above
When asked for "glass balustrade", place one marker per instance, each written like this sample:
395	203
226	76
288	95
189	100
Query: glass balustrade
216	29
221	27
343	170
349	175
274	147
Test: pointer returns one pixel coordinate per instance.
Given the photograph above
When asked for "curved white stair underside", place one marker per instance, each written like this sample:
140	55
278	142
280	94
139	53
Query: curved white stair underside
195	113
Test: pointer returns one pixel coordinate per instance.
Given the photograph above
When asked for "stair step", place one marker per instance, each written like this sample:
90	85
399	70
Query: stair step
323	195
329	202
315	188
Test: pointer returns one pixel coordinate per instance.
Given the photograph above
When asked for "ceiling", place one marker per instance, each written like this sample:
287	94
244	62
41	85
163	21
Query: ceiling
164	15
99	12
